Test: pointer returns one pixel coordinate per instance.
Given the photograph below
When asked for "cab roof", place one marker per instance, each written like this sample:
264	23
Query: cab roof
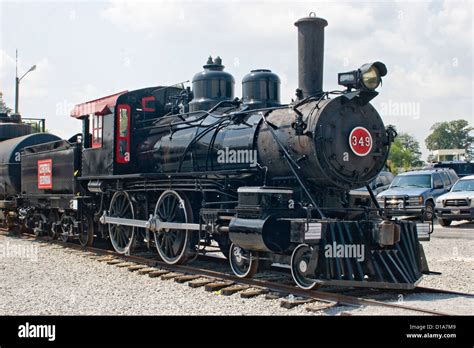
101	106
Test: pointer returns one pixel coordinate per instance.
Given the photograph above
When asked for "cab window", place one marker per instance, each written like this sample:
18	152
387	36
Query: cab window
97	129
123	134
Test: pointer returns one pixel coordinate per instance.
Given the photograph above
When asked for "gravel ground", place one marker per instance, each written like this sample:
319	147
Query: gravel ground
62	283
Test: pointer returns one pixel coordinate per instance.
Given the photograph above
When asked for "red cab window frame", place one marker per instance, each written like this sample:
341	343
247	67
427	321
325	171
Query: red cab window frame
144	102
119	137
97	131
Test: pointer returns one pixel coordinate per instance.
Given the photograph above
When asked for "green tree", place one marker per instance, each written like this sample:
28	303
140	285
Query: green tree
3	107
450	135
405	152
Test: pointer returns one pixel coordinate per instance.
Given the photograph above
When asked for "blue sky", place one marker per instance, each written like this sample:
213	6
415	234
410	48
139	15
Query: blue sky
87	49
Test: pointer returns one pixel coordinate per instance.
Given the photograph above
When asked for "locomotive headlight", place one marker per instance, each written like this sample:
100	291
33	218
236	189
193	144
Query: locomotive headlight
371	75
371	78
367	78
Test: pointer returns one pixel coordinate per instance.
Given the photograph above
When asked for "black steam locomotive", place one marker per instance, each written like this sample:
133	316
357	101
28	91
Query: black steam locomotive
184	170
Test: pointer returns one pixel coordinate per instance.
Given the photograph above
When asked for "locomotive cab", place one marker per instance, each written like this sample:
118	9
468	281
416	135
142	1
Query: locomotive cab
114	127
97	118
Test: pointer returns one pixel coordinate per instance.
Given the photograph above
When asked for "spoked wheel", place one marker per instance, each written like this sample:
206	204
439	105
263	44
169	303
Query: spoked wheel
53	219
122	237
173	246
244	263
299	265
86	232
66	230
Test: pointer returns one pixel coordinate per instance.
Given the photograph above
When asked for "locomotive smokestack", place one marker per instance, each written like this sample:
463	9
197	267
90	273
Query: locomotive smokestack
310	54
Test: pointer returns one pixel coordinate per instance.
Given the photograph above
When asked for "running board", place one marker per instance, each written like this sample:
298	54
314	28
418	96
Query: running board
153	224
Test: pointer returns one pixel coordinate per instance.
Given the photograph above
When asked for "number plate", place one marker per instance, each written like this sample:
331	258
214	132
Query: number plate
455	212
360	141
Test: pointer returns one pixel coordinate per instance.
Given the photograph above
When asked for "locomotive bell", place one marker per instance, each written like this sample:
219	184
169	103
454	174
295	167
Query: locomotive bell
211	86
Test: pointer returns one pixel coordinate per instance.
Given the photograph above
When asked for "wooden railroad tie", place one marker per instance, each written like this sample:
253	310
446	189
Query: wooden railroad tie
233	289
171	275
317	306
146	270
97	257
157	273
94	257
200	282
216	286
186	278
289	304
113	262
136	268
252	292
124	264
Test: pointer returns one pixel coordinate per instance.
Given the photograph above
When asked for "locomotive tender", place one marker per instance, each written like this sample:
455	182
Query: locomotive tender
185	169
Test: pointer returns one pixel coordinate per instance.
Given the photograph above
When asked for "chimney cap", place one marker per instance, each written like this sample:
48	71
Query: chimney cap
312	19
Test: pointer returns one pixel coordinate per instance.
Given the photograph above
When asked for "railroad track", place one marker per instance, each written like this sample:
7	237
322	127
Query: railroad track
274	285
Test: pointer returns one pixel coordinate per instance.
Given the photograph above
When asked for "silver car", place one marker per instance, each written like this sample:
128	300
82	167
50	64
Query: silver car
458	203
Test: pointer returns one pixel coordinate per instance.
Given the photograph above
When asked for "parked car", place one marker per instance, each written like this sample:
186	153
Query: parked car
361	196
461	168
457	204
414	193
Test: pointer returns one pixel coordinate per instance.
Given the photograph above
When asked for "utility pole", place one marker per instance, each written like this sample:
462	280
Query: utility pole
17	82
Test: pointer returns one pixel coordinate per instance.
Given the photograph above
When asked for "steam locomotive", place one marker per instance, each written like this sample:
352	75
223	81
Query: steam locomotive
185	170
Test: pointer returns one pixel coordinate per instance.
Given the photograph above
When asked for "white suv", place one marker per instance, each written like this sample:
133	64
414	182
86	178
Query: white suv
458	203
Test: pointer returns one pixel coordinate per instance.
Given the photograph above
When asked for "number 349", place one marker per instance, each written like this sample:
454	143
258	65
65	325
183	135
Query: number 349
361	141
